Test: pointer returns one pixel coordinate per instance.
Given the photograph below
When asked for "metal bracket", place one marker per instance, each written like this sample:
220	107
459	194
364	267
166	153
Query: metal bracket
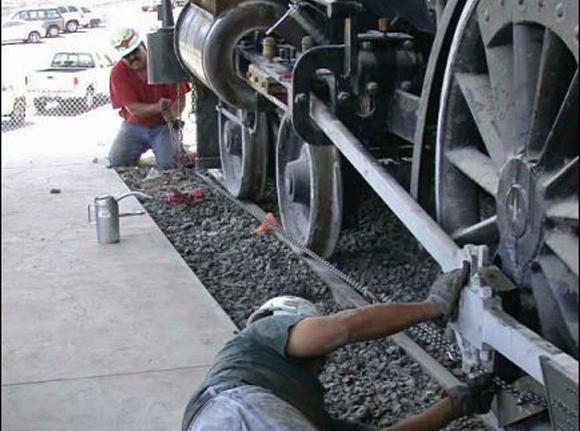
483	326
331	58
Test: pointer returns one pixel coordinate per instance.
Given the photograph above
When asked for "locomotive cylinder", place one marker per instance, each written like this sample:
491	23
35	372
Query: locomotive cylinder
205	45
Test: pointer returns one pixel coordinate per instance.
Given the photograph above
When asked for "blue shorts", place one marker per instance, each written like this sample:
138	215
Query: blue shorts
133	140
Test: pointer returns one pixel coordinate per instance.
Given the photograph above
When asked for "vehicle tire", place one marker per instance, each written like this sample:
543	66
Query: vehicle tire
18	116
33	37
40	106
52	31
72	26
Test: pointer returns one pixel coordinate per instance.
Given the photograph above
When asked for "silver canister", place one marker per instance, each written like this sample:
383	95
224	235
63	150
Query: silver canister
104	213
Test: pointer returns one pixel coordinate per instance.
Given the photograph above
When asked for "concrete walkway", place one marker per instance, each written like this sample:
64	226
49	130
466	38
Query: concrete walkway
94	338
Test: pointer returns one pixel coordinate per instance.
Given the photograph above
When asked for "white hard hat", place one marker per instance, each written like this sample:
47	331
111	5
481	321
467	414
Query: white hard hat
125	39
285	305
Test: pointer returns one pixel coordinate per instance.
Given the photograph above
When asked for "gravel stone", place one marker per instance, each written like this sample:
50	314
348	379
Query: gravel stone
372	383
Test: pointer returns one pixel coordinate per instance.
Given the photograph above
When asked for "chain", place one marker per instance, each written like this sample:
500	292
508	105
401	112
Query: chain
175	126
195	95
423	332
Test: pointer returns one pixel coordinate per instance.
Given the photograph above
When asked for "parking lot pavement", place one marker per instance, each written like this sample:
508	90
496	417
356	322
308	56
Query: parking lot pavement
20	59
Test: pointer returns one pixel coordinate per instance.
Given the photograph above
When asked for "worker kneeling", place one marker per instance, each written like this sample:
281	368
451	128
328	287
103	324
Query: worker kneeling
146	108
267	377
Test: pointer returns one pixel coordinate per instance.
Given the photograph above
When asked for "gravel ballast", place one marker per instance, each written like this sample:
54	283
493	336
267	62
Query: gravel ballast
373	383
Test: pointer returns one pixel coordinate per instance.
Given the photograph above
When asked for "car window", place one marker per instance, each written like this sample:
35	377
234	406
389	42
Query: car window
72	59
62	9
85	9
21	15
52	13
86	60
73	9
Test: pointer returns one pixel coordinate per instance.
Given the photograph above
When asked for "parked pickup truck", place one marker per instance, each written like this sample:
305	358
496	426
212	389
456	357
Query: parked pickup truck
75	80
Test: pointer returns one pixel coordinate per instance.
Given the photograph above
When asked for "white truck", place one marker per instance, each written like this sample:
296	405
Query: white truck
76	80
14	105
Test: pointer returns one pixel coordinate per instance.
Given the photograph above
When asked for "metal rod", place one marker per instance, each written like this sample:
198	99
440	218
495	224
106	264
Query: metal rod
435	240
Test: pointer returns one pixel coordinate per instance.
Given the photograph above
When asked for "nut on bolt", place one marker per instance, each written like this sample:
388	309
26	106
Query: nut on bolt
301	98
269	47
373	88
344	97
307	43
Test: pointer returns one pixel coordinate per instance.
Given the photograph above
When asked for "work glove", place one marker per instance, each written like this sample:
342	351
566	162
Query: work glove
445	292
473	398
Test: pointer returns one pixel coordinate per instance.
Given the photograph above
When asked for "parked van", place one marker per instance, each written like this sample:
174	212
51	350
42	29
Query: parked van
20	30
52	21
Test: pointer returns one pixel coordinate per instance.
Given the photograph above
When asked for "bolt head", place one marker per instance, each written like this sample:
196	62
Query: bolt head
344	97
301	99
373	88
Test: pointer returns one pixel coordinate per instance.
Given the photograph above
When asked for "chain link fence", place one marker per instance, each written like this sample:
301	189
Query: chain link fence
64	80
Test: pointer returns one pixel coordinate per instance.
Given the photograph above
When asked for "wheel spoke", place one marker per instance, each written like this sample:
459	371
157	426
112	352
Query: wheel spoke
558	273
565	210
558	288
565	129
527	41
501	72
477	92
484	232
551	89
563	181
565	247
476	166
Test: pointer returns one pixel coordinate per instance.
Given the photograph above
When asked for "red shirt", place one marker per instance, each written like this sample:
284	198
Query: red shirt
126	87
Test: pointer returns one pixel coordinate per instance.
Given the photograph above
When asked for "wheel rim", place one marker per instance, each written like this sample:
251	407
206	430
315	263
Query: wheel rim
507	152
310	194
71	27
244	154
34	37
53	32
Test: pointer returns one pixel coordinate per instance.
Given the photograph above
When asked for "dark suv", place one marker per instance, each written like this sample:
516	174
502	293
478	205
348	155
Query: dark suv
52	19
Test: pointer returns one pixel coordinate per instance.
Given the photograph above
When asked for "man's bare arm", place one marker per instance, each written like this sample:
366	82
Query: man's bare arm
433	419
144	110
319	336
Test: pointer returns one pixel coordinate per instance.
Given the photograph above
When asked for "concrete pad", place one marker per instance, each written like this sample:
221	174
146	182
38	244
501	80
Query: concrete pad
95	337
137	402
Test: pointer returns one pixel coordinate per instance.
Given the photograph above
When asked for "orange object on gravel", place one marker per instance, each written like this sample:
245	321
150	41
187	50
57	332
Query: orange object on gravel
265	226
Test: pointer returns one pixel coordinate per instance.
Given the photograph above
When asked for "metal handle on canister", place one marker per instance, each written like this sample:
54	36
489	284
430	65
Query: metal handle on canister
90	218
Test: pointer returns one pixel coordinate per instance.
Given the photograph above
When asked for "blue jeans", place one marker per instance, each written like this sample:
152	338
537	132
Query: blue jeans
133	140
248	408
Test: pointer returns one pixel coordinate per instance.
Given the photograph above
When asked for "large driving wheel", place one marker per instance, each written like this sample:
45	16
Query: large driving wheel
507	152
244	153
310	193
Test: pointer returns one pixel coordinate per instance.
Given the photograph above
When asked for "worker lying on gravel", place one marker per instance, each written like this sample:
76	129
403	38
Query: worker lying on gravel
266	377
144	107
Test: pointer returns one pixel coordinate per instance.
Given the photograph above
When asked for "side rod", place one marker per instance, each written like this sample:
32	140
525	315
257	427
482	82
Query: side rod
431	236
498	330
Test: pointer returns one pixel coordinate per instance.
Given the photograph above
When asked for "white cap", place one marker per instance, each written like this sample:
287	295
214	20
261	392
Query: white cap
285	305
124	40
